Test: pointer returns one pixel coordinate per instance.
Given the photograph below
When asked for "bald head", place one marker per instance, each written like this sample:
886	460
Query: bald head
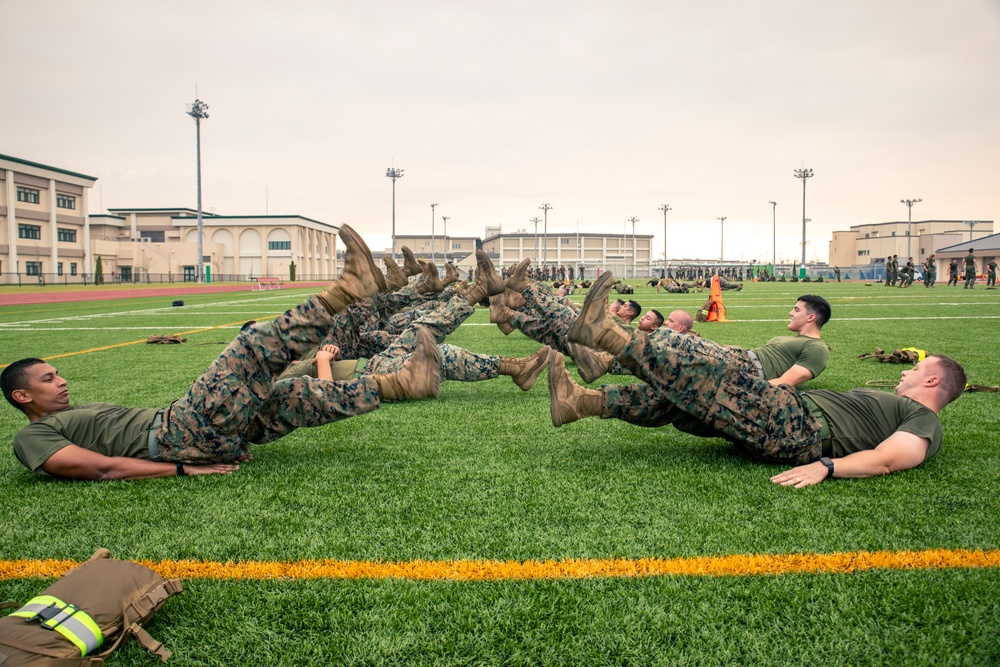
680	321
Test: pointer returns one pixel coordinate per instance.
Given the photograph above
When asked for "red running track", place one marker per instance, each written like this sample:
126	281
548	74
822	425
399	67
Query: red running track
99	294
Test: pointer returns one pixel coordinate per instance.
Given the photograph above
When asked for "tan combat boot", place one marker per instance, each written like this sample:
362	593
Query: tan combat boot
431	282
420	376
519	278
450	274
394	277
500	315
570	401
410	264
487	281
592	327
525	370
590	364
360	279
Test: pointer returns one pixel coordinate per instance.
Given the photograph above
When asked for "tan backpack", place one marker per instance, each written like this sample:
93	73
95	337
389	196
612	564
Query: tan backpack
101	600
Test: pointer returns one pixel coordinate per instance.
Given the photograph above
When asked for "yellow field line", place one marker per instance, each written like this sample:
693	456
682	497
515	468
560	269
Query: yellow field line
465	570
136	342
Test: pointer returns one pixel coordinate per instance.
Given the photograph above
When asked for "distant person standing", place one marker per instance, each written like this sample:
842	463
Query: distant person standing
970	270
991	273
953	273
836	273
930	272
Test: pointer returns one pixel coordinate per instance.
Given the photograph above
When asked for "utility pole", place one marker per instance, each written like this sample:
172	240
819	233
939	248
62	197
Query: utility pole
545	231
909	222
804	174
774	234
664	208
722	237
433	239
444	250
536	220
199	110
633	220
394	174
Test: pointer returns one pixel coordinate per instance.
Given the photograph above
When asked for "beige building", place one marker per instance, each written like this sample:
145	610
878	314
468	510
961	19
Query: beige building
625	255
443	248
867	244
43	221
236	247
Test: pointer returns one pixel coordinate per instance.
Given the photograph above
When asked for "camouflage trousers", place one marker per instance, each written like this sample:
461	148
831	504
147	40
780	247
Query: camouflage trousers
457	364
688	383
440	322
236	401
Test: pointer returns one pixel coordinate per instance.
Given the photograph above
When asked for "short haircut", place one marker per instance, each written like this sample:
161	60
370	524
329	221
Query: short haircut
952	375
684	319
15	377
657	316
818	306
620	302
634	308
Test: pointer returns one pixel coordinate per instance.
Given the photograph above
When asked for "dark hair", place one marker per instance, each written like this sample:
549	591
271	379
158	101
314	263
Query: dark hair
952	374
15	377
634	307
818	306
657	315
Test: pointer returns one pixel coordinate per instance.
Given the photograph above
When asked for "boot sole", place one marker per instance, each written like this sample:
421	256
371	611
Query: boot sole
598	293
347	233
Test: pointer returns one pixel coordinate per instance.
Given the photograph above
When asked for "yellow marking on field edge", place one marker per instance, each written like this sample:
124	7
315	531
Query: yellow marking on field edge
466	570
143	340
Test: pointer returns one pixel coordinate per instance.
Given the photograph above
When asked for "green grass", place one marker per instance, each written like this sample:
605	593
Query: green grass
481	474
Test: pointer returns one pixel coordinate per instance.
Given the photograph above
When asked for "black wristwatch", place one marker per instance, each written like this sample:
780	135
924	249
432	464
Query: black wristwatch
181	473
829	466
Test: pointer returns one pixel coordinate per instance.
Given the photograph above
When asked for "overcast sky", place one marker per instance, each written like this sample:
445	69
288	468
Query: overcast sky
604	110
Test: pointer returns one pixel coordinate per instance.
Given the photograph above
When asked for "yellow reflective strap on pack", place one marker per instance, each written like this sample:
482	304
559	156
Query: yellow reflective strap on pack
68	620
921	354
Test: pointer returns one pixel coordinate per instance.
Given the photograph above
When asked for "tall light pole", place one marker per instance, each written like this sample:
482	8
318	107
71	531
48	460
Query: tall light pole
971	224
804	174
722	237
433	238
393	173
545	233
633	220
909	222
199	110
774	234
664	208
444	242
538	251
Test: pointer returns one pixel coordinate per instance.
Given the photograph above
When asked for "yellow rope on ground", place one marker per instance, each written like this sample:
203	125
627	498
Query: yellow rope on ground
466	570
136	342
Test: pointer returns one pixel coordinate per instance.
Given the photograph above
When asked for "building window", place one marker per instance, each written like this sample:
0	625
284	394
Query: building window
33	268
66	201
154	237
59	268
27	195
72	268
66	235
279	245
456	245
33	232
563	241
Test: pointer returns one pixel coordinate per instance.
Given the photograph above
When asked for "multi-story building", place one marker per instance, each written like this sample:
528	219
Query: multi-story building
626	255
871	244
43	220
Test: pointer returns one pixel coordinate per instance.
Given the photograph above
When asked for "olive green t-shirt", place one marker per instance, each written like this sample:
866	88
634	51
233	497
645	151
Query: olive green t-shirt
104	428
782	352
861	419
345	369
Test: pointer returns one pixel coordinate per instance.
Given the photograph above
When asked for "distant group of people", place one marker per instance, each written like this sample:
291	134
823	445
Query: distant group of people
372	338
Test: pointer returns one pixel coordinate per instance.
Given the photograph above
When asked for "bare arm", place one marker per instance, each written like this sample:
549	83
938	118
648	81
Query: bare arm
75	462
900	451
794	376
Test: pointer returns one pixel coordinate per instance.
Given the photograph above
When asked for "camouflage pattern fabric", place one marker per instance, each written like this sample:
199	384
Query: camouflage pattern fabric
692	376
440	323
236	400
457	364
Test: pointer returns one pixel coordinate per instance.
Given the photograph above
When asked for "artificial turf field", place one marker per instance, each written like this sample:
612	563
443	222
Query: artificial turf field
468	530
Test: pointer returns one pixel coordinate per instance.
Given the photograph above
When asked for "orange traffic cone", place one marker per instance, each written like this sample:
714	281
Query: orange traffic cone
713	310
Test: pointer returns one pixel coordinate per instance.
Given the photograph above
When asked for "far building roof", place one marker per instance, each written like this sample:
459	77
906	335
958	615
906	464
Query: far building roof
985	245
